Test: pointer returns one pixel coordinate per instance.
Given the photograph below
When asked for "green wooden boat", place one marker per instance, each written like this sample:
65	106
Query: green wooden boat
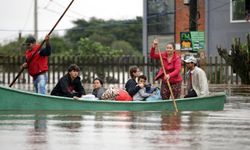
12	99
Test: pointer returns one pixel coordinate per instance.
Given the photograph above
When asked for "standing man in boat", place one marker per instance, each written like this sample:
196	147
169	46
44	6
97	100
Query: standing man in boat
197	79
171	63
70	84
37	62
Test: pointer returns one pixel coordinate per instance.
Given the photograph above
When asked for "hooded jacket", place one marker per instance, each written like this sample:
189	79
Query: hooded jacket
68	88
173	68
39	63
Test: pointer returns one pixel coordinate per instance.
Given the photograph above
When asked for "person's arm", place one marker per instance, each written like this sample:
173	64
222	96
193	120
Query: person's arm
24	66
79	88
47	50
100	92
131	87
64	84
153	48
143	93
203	83
153	54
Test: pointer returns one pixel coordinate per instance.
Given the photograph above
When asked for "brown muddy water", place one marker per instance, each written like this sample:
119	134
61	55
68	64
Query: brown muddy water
151	130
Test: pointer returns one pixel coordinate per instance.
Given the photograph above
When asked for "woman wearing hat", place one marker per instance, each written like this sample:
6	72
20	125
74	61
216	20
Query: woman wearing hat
172	65
197	79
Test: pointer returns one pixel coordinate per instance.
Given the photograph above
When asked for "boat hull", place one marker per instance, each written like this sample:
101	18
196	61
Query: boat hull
12	99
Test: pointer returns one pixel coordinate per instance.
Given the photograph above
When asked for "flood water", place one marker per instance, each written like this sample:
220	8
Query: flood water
151	130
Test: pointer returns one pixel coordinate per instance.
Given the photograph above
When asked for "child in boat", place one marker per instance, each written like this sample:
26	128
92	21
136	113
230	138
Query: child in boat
131	85
98	88
70	84
141	94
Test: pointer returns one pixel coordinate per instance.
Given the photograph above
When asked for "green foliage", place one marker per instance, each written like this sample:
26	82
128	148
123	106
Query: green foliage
13	48
59	46
87	47
106	32
125	47
239	58
93	37
239	10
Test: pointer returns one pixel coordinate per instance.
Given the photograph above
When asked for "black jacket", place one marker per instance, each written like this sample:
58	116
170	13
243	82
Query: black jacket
131	87
68	88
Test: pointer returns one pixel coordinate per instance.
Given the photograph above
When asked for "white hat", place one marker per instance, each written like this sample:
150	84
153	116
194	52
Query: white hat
191	59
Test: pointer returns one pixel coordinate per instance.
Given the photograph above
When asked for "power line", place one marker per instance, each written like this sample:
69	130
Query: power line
220	6
72	11
56	12
123	23
100	26
47	5
28	16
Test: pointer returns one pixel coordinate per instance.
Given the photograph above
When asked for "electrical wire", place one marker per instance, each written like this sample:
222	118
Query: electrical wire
72	11
28	16
100	26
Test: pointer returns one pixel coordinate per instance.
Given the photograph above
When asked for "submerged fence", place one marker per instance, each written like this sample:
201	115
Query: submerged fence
110	69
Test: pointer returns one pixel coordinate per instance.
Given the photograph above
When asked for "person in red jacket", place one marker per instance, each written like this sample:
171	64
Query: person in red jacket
37	62
172	65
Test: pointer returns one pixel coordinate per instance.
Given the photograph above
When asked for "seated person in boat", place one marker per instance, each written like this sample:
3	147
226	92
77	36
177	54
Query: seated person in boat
98	88
70	84
197	80
141	94
131	85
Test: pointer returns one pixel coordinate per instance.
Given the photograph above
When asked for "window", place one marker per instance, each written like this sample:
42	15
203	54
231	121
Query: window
160	21
240	10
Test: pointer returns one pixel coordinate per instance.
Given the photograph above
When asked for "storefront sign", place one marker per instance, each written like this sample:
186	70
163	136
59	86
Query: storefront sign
192	41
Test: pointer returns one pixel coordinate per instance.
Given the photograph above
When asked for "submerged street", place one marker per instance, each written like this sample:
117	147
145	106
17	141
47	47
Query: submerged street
227	129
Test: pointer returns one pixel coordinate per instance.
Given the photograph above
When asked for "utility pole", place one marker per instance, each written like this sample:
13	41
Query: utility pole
35	20
145	35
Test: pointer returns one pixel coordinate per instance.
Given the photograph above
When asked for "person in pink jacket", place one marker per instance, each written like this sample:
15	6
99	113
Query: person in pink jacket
172	65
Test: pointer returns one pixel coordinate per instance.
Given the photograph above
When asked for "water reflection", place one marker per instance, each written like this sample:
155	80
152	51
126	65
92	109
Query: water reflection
37	136
40	123
171	122
228	129
70	123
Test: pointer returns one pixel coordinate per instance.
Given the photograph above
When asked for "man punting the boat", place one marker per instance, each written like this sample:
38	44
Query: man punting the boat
37	62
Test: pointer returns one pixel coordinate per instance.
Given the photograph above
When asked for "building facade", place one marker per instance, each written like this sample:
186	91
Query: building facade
225	20
221	21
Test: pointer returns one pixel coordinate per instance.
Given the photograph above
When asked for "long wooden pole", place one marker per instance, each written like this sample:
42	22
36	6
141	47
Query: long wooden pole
22	69
165	74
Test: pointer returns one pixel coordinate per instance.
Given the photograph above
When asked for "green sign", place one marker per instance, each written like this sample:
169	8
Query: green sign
192	41
198	40
186	43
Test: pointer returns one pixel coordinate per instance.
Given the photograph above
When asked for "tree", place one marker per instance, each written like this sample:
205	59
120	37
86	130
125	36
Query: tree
102	37
239	59
87	47
107	32
60	46
13	48
125	47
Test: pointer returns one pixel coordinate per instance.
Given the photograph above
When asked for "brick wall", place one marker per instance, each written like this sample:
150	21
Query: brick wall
201	9
182	18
